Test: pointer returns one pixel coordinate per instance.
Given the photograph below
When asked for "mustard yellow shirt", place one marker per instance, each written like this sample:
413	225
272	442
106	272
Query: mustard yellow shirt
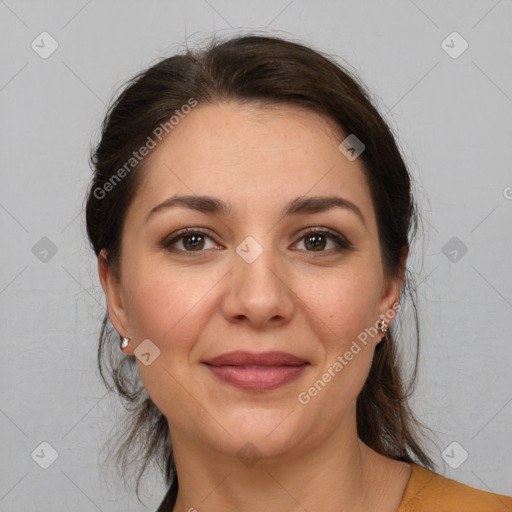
427	491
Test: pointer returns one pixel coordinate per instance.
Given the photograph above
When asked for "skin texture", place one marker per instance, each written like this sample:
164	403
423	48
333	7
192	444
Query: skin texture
311	303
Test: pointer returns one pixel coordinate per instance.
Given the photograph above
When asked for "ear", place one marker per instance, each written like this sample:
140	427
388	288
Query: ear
391	290
115	303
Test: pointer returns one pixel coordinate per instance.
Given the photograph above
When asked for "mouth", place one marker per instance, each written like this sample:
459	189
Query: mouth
244	358
257	372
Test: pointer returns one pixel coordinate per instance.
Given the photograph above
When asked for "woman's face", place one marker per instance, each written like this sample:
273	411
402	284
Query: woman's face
256	279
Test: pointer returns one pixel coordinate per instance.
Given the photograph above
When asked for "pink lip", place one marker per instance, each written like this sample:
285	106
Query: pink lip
262	378
256	372
244	358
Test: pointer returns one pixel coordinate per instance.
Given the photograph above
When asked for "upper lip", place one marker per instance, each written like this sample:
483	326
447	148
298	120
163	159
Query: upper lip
244	358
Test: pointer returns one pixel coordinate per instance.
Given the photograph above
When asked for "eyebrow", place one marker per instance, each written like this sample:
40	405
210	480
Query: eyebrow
298	206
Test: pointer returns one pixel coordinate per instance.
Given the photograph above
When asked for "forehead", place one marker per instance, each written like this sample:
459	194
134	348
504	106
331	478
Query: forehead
253	156
234	130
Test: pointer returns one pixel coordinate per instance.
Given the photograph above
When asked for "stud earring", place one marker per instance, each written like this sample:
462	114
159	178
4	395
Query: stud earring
382	326
124	343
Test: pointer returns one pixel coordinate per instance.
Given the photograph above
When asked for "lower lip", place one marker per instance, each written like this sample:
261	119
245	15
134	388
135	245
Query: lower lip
261	378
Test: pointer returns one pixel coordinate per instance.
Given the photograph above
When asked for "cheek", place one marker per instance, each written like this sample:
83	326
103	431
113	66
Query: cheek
347	309
171	309
161	305
346	303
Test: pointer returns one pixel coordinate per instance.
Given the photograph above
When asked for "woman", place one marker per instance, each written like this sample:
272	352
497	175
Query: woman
252	215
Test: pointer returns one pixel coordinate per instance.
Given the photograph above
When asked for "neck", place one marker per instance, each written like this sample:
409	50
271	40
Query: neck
338	474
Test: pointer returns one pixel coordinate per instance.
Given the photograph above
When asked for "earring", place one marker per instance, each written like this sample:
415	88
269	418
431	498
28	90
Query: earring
124	343
382	326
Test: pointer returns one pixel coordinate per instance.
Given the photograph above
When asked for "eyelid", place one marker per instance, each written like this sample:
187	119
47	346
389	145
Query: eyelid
342	242
322	230
176	236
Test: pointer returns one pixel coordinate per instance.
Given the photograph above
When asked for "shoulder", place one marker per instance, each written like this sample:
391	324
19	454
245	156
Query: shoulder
427	491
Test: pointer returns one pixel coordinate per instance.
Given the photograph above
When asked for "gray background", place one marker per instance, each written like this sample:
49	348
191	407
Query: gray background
452	117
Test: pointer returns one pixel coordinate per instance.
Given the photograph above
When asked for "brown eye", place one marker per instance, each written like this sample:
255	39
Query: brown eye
193	242
188	240
317	240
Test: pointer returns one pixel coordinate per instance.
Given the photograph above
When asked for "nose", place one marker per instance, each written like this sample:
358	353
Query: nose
260	292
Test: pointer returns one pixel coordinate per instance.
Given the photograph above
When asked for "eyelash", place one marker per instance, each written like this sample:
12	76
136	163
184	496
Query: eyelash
341	242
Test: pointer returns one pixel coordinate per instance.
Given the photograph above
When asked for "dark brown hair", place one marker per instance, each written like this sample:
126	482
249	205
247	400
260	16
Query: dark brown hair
266	70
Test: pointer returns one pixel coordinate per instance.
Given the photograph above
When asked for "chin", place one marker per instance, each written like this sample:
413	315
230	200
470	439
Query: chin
261	433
